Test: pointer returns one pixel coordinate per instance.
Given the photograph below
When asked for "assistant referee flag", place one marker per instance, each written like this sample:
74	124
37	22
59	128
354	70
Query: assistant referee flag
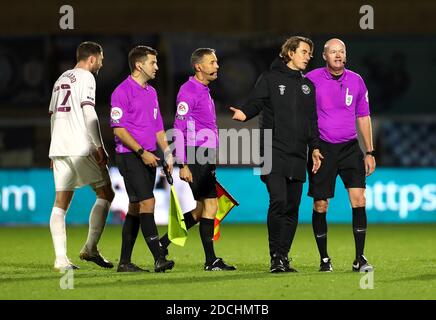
177	232
225	203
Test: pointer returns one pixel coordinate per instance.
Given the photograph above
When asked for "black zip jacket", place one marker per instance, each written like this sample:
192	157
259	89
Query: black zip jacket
287	100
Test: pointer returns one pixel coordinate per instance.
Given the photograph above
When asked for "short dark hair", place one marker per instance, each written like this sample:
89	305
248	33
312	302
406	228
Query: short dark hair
87	49
198	54
291	44
138	53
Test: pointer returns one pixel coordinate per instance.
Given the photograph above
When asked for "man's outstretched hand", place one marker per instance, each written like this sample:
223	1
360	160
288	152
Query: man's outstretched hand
238	114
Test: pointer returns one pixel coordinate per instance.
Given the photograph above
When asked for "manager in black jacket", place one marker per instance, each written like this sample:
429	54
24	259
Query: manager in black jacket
287	100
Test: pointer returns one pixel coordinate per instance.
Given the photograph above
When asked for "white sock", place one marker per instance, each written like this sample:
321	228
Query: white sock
97	221
58	233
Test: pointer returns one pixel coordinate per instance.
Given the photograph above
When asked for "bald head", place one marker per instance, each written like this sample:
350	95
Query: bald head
335	55
334	43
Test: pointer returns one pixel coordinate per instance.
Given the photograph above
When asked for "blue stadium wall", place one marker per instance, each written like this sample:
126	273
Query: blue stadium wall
393	196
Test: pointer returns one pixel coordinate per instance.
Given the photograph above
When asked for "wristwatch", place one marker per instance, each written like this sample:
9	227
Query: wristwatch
370	153
140	151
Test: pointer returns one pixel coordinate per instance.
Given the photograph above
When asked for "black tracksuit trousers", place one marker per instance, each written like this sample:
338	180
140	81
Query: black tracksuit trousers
284	203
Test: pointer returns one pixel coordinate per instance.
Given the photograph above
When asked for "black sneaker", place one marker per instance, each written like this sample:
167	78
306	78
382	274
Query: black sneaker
325	265
362	265
98	259
287	264
163	252
218	265
277	264
162	264
130	267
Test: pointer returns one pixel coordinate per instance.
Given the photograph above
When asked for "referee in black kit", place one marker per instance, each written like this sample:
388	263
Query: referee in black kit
287	100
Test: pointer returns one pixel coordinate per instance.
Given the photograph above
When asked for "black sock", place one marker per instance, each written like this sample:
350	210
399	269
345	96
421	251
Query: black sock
129	234
206	234
149	231
319	225
189	222
359	229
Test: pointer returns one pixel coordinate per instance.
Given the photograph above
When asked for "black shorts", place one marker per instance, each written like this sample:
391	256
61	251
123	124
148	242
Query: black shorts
345	159
139	179
203	173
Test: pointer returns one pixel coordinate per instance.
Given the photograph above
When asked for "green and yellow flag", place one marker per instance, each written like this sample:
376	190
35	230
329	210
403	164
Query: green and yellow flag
177	232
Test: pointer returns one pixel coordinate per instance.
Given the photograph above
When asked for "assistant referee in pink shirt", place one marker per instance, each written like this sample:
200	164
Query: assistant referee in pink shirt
196	144
138	128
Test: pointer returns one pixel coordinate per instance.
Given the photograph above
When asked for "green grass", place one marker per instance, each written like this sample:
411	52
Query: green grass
403	255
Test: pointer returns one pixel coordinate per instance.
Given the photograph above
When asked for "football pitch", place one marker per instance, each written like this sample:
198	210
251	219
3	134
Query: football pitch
404	257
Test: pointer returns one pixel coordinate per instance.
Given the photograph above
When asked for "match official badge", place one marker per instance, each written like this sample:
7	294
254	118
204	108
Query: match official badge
182	108
116	113
305	88
282	89
348	99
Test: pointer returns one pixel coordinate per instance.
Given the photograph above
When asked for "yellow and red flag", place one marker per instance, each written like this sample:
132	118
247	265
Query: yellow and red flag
225	203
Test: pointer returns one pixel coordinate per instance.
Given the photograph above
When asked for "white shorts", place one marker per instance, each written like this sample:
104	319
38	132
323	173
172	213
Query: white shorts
75	172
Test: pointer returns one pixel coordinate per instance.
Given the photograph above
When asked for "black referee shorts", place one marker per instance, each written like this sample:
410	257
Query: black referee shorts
139	179
203	176
345	159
